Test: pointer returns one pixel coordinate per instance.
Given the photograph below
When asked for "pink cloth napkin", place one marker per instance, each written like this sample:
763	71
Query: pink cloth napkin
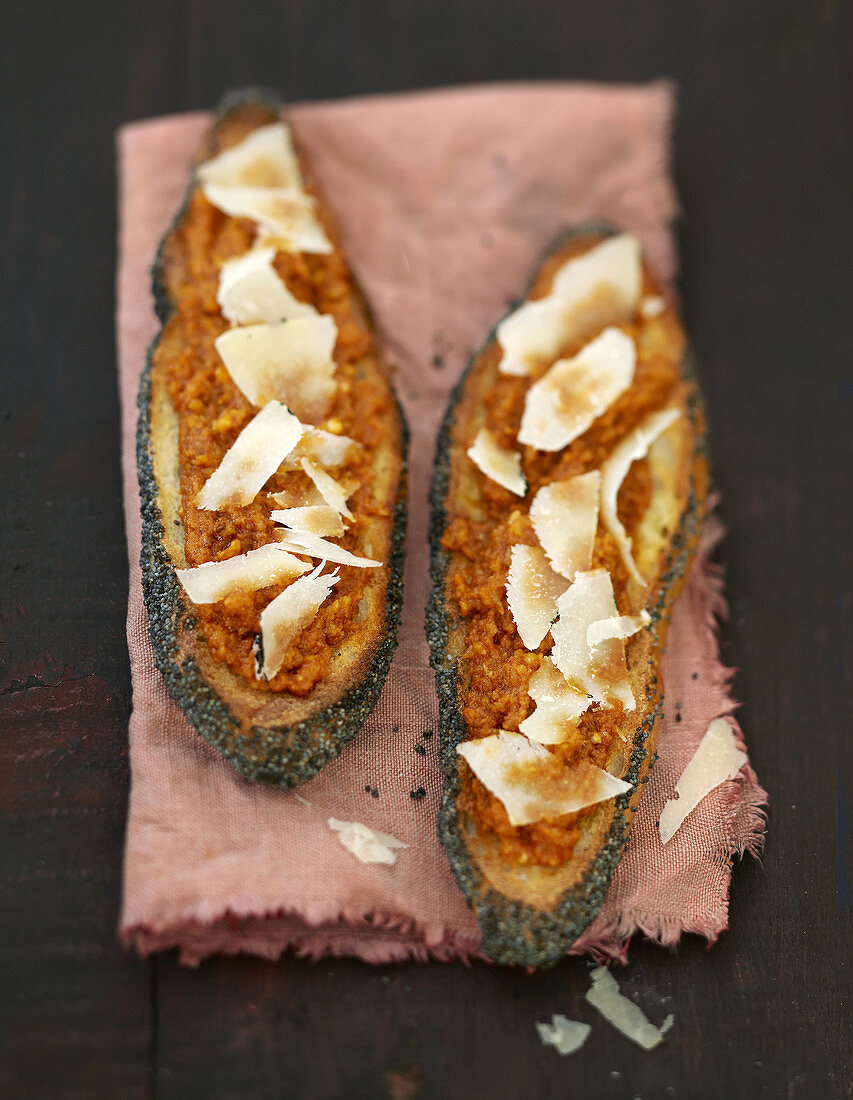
445	200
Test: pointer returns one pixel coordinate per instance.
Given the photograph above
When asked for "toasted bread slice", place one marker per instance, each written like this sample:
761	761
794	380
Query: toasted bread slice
281	731
536	887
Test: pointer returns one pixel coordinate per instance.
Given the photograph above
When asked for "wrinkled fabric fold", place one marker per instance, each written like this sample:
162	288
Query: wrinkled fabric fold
444	201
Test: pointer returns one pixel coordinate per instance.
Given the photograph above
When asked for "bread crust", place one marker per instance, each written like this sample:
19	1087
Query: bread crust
531	915
273	737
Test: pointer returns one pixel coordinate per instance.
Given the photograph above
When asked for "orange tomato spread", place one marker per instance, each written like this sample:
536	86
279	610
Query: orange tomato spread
212	412
494	669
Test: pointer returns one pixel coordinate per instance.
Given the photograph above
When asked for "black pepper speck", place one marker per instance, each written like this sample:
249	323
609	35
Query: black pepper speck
420	749
418	794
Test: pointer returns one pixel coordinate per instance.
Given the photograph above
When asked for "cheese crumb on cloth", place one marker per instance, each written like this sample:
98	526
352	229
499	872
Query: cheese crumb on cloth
445	201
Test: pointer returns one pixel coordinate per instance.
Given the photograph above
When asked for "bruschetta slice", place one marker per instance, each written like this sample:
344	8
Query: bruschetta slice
271	457
567	501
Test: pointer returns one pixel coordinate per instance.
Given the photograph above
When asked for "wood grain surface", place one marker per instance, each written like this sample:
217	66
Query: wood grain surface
763	150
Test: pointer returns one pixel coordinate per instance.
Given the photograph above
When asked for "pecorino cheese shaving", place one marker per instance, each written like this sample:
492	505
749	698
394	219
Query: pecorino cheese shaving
527	780
558	706
619	626
532	591
265	158
252	292
564	1035
330	490
598	670
289	613
260	568
497	463
255	456
588	292
574	392
366	844
282	213
301	542
289	362
716	759
313	519
623	1014
564	515
324	449
634	447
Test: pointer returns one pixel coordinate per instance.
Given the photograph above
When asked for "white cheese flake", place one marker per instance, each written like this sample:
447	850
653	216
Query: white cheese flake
564	516
259	179
564	1035
529	781
600	671
289	362
532	590
213	580
558	706
301	233
618	626
652	307
624	1015
288	614
497	463
615	263
634	446
300	542
531	336
253	458
264	158
296	498
599	288
286	218
322	447
317	519
330	490
573	393
366	844
251	291
716	759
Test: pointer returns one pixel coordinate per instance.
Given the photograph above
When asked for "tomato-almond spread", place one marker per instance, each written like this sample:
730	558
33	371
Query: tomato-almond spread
486	520
213	411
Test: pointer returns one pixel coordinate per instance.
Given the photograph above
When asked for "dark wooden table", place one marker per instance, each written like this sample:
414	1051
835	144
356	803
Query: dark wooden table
762	165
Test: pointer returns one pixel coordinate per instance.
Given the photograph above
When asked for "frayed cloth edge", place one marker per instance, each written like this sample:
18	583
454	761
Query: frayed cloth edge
375	938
